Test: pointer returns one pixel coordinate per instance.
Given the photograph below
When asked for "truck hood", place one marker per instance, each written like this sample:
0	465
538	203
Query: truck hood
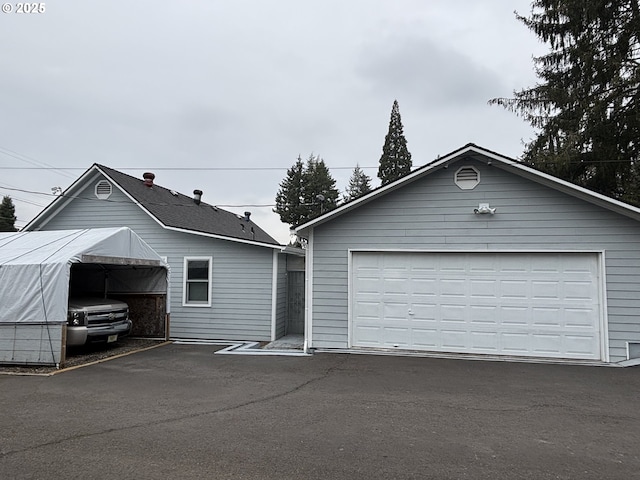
95	303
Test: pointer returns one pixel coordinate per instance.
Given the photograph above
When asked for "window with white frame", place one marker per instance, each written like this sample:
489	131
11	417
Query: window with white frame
197	282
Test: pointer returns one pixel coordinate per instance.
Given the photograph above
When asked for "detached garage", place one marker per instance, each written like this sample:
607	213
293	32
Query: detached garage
477	254
39	270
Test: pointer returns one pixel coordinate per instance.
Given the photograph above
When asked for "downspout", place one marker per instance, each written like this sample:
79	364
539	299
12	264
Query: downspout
308	299
274	294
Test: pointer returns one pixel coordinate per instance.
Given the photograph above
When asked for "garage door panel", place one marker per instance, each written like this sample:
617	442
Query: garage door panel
453	314
514	289
368	310
546	345
368	336
545	290
579	290
513	316
484	314
531	304
546	317
396	336
487	341
579	345
453	288
424	311
393	310
514	343
424	286
455	339
483	288
577	318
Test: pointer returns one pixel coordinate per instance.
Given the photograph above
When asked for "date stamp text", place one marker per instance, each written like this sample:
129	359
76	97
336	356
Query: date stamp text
36	8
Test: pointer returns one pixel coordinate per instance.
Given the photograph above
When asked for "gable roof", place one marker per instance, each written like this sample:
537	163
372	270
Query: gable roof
472	151
173	210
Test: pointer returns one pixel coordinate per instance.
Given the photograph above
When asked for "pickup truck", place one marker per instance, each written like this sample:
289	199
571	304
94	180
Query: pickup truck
96	320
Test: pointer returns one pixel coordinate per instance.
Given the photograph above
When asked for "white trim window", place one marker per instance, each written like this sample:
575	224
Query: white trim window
196	287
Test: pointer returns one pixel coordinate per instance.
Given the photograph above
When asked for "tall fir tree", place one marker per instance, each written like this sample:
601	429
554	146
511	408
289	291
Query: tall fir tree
395	161
7	215
308	191
320	192
290	196
359	185
586	108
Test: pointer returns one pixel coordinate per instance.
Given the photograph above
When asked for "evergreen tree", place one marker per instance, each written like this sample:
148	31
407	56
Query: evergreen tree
320	192
359	184
395	161
290	197
308	191
7	215
586	109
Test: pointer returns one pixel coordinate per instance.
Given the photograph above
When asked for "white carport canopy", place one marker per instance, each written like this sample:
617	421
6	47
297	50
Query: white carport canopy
35	268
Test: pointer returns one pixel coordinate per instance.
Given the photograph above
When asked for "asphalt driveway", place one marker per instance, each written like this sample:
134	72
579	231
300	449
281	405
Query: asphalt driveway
179	411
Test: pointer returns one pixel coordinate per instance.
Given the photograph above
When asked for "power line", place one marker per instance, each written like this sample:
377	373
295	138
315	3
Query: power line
213	169
6	186
91	199
32	161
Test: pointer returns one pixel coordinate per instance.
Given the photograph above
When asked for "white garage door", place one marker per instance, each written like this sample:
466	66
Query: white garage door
522	304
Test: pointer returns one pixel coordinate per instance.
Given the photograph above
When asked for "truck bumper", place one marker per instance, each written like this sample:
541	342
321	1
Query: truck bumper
81	335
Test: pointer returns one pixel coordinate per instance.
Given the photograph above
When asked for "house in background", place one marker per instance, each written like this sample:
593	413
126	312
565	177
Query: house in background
228	276
477	254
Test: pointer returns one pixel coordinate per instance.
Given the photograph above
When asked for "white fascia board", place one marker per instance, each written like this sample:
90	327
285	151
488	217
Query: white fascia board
221	237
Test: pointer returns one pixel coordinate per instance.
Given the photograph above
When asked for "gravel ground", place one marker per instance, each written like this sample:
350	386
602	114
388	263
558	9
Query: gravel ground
83	355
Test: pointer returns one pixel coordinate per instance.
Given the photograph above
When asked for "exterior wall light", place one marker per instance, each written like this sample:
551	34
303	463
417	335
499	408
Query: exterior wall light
484	208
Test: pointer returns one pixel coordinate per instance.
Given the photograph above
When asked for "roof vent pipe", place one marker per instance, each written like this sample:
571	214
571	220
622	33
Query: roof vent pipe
247	216
148	178
197	196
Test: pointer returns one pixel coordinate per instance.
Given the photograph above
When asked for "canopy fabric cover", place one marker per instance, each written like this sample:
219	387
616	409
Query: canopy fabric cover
35	267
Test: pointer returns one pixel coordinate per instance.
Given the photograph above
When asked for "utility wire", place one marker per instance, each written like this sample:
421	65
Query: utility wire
93	199
32	161
212	169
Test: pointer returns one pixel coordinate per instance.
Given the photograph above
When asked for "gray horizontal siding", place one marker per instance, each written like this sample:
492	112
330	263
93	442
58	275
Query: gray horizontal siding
242	274
434	214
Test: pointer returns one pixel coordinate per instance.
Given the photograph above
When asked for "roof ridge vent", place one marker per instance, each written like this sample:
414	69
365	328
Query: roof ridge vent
148	178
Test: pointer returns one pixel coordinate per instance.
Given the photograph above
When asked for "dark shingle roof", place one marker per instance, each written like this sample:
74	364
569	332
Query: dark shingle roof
176	210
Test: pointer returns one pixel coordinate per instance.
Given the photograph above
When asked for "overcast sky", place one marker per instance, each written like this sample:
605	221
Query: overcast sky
224	95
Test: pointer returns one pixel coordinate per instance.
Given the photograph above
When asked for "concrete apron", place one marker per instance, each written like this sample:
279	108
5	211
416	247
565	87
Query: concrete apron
289	346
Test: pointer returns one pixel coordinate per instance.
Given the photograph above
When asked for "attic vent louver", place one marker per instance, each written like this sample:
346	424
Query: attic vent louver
467	178
103	190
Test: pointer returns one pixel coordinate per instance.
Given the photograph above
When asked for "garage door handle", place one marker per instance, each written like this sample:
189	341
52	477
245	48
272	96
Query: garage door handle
411	312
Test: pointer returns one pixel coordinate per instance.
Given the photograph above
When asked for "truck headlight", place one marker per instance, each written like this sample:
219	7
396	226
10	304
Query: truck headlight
75	318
